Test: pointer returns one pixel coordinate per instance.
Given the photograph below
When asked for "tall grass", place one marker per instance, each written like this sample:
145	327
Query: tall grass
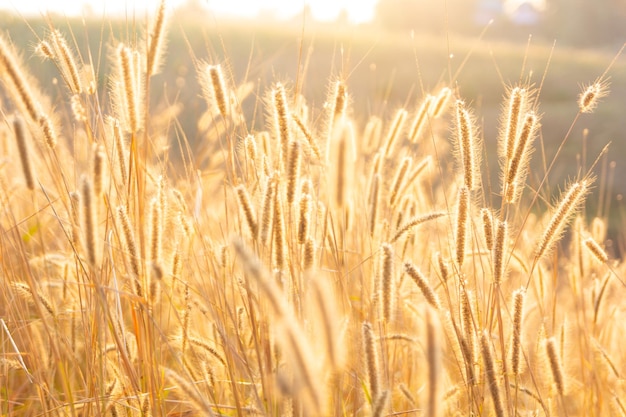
312	267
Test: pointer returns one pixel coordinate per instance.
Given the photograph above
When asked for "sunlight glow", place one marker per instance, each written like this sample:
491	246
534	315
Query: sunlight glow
323	10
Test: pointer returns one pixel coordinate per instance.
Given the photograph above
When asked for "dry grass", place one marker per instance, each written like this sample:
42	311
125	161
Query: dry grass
261	275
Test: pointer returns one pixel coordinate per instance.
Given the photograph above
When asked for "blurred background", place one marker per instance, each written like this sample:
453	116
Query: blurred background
390	52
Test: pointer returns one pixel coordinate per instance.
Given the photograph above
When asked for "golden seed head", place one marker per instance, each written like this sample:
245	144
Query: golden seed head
590	96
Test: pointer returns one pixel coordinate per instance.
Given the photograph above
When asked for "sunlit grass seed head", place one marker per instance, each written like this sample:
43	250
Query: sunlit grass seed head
44	50
21	137
467	145
17	80
516	104
67	62
156	40
518	164
462	224
591	95
125	89
420	120
441	102
218	88
596	250
516	342
394	132
568	205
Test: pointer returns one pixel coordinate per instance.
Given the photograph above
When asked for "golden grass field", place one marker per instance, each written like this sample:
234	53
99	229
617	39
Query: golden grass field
312	265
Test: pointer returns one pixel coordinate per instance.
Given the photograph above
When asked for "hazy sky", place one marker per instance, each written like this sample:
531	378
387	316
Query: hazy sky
358	10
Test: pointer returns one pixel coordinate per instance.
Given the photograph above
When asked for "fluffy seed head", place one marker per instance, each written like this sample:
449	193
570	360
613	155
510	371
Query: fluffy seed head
394	132
518	164
16	79
516	105
281	119
596	250
19	127
467	146
156	40
89	212
67	62
422	283
518	310
387	286
567	207
128	236
44	49
305	206
371	359
218	88
487	219
98	170
433	355
590	96
398	179
248	210
462	215
498	253
555	365
439	105
420	119
490	371
293	170
129	92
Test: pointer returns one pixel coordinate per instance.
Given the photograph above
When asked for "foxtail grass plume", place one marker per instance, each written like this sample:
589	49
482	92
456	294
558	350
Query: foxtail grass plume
516	342
248	209
468	147
156	40
371	360
128	107
19	127
490	373
67	63
218	88
462	216
294	157
387	286
399	179
267	210
518	164
311	141
422	283
596	250
304	221
433	355
281	120
591	95
440	104
21	88
567	207
516	106
90	219
499	265
395	131
487	219
555	365
420	119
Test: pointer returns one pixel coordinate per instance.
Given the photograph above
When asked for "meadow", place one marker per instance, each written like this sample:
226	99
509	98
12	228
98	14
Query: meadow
221	219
